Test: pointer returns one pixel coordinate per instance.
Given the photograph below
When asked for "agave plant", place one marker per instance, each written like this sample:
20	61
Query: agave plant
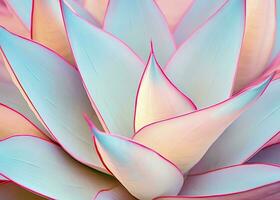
140	99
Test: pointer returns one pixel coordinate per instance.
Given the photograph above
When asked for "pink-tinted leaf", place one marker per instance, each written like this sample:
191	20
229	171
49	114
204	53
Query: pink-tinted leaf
135	165
138	23
258	41
116	193
157	98
196	16
204	66
110	70
97	8
46	169
186	138
244	137
54	91
174	10
244	182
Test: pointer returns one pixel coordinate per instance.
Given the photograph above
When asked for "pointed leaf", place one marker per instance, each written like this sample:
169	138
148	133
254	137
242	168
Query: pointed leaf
258	41
134	166
204	66
174	10
138	23
270	155
54	90
49	171
196	16
248	182
247	134
186	138
110	71
10	191
157	98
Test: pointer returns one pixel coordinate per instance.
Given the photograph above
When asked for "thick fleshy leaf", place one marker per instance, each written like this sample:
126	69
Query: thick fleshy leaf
10	20
270	155
276	47
22	9
110	71
11	97
197	15
117	193
48	29
10	191
135	165
48	170
55	92
247	134
244	182
13	123
138	23
174	10
185	139
204	66
97	8
157	98
258	41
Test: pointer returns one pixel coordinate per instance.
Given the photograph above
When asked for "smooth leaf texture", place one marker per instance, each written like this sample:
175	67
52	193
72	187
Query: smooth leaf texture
10	191
10	20
49	171
270	155
13	123
196	16
138	23
157	98
117	193
54	90
110	71
244	182
97	8
143	172
11	97
258	41
247	134
174	10
48	28
204	66
22	9
185	139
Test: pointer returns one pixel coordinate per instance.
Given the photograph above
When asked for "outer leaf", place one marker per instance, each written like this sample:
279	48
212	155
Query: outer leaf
49	171
186	138
196	16
157	98
10	191
258	41
138	23
174	10
244	182
247	134
135	165
197	65
54	90
110	71
270	155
